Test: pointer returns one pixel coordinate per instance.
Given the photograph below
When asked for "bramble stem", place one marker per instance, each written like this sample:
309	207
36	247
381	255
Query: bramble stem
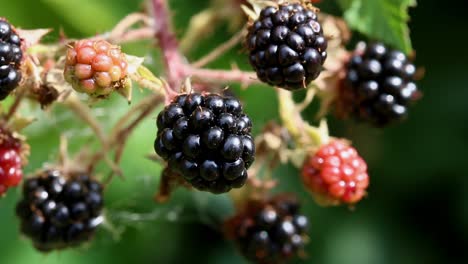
222	76
120	133
217	52
178	69
85	114
136	34
149	102
126	23
21	91
122	136
168	44
200	26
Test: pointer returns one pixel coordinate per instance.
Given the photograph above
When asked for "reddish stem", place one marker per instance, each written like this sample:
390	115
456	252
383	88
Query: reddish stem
177	67
221	76
168	43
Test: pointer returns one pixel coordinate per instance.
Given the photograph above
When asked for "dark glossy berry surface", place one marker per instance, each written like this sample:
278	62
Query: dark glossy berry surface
206	139
58	212
271	232
10	59
379	85
286	46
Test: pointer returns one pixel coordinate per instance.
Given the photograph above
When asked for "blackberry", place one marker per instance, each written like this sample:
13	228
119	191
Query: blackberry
286	46
95	67
10	58
336	174
11	152
57	212
271	232
379	85
206	139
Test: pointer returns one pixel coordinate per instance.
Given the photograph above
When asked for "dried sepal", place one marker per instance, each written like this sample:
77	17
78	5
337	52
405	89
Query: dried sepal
256	7
32	37
327	84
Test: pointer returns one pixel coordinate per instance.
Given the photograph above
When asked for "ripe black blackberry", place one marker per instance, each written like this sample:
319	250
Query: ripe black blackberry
270	232
286	46
379	85
206	139
10	58
58	212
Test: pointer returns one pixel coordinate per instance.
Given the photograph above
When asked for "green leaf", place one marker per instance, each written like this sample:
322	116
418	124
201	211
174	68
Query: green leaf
385	20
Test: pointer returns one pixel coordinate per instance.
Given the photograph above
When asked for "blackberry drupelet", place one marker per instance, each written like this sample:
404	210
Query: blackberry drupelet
271	232
57	212
379	85
10	58
206	139
286	46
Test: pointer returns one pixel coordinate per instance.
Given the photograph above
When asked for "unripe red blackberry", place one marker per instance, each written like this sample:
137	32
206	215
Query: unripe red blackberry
11	171
270	232
379	85
336	174
59	211
10	58
286	46
95	67
206	139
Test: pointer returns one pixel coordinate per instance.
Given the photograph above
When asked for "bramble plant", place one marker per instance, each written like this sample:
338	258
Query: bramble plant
203	136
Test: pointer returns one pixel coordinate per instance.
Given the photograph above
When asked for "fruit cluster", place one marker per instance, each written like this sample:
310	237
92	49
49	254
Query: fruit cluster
336	174
10	58
272	231
206	139
59	211
95	67
11	171
286	46
379	85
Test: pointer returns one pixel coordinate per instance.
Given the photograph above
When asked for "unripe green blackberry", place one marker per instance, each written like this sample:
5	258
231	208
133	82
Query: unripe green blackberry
59	211
286	46
206	139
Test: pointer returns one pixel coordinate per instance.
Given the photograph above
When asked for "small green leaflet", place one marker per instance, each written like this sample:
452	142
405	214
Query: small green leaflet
384	20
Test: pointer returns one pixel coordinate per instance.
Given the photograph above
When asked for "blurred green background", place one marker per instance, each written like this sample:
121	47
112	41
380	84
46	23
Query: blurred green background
417	208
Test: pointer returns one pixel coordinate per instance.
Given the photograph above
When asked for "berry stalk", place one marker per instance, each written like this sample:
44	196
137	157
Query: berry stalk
20	92
84	113
304	135
217	52
123	27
